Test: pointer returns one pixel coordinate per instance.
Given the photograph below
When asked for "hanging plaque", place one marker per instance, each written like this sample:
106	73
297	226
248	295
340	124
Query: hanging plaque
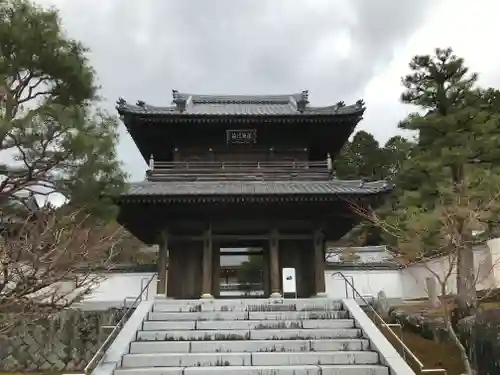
241	136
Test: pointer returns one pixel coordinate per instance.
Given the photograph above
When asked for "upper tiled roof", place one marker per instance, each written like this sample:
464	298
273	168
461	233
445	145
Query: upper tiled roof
234	188
194	104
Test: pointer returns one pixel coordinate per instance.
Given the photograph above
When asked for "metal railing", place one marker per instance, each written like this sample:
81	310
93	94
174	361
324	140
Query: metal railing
410	358
97	358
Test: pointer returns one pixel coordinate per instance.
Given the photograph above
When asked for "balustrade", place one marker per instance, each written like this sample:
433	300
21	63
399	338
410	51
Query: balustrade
244	171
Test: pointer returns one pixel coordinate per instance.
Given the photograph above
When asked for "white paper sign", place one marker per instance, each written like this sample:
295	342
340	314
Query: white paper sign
289	281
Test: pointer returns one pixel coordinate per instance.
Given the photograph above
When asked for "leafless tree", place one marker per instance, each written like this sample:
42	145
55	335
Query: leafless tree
49	260
414	236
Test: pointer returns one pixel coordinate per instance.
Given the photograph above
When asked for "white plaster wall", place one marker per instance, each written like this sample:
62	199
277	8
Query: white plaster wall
410	282
494	246
414	278
115	288
485	266
407	283
366	282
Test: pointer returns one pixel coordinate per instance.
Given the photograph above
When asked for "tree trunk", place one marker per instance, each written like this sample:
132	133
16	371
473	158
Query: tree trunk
466	284
466	281
453	336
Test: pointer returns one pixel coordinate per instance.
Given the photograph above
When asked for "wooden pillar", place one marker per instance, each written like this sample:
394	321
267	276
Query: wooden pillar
206	286
161	283
274	264
319	263
216	270
174	282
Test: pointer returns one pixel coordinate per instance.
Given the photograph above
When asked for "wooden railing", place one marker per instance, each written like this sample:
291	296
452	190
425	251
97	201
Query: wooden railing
239	171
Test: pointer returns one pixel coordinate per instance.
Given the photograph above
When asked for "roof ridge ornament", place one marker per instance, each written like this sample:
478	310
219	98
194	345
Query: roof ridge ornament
303	101
179	101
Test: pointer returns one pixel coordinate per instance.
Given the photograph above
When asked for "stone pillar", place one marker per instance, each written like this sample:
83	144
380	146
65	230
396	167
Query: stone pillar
274	264
206	286
432	291
319	263
161	283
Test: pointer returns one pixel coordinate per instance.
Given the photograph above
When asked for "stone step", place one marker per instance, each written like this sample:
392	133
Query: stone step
249	359
251	305
243	301
201	315
258	334
260	370
248	324
245	315
296	315
249	346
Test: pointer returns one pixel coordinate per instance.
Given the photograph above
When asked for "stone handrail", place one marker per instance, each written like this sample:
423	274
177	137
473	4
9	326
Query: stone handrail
408	355
99	356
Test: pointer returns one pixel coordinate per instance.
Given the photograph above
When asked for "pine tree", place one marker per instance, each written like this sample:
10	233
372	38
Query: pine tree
52	136
453	167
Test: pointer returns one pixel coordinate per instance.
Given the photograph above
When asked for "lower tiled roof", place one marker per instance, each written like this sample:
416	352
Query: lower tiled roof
363	266
213	188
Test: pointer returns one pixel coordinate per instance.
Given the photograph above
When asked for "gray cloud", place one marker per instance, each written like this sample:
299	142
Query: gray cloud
143	49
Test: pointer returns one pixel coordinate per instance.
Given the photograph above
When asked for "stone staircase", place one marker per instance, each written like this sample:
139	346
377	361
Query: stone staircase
250	337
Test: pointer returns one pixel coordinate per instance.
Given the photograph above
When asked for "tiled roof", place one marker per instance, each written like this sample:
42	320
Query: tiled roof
364	266
234	188
249	105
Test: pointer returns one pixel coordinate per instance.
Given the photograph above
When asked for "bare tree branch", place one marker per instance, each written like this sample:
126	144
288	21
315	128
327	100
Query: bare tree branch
453	223
50	260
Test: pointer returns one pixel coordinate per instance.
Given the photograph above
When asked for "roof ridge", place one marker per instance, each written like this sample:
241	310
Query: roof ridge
238	98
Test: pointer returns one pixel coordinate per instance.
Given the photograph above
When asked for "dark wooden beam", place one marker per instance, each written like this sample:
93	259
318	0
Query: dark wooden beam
236	237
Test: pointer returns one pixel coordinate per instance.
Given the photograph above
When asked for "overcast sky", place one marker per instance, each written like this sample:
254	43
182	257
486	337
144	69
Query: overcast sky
337	49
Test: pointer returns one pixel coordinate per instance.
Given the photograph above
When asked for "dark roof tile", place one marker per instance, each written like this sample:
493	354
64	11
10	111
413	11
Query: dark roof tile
245	105
210	188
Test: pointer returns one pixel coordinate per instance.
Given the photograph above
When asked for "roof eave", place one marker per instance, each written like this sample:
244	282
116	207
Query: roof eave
124	111
250	197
